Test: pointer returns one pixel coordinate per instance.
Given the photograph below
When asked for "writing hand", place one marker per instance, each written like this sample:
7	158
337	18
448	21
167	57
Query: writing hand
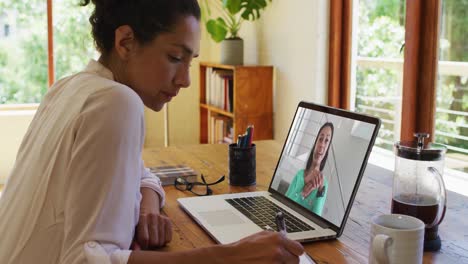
265	247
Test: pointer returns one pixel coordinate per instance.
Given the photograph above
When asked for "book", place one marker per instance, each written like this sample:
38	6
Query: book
169	173
227	140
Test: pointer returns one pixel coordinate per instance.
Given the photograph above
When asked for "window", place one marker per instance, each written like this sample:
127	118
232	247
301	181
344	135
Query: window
416	87
451	126
24	49
378	76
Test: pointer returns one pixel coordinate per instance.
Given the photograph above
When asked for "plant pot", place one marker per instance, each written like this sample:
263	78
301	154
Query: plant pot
232	51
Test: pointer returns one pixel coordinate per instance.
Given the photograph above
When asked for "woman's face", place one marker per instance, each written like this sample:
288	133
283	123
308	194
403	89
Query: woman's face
157	70
323	141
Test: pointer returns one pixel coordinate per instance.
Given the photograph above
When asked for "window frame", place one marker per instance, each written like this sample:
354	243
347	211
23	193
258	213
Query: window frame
419	69
339	53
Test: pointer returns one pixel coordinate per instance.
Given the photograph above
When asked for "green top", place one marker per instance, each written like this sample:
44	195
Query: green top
311	202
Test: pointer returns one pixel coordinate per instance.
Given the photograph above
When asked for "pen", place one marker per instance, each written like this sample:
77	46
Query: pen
280	224
251	135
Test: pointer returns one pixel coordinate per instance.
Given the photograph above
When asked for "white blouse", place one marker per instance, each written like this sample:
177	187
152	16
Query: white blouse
73	195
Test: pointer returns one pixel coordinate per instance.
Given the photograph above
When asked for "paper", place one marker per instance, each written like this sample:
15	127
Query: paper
305	259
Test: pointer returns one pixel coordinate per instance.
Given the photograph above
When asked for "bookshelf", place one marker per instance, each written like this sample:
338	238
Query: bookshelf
233	97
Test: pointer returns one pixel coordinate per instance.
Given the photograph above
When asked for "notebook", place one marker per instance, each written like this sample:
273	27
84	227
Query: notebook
332	143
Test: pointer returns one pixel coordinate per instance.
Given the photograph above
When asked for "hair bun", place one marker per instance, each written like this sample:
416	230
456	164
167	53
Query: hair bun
147	18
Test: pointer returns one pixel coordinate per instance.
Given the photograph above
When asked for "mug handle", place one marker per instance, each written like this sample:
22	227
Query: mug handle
380	244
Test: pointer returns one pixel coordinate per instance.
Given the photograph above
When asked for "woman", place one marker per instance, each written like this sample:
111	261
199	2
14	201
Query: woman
309	188
79	192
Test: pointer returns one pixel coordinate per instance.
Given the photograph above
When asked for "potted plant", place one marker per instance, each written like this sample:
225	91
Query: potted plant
225	28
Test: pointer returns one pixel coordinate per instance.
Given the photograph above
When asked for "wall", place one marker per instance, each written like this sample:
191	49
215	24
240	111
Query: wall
293	37
13	125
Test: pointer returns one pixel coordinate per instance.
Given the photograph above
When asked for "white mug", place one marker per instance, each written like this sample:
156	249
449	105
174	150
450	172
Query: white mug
396	238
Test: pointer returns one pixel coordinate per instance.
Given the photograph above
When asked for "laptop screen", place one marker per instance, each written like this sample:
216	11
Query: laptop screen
322	159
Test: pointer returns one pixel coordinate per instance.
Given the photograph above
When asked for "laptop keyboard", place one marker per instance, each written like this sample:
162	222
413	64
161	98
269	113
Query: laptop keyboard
263	211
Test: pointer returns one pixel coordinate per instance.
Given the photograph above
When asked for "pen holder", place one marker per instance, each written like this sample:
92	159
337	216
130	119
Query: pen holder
242	169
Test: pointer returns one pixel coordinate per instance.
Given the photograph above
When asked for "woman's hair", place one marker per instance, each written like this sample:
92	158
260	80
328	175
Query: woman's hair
311	155
147	18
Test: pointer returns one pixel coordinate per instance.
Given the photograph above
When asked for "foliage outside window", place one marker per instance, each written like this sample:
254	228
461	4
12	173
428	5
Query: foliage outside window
381	33
452	90
23	52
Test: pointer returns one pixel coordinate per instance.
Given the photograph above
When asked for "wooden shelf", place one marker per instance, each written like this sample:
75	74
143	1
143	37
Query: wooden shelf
251	100
215	109
231	67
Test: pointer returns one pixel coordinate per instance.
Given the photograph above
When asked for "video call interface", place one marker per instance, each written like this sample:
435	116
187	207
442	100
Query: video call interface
321	161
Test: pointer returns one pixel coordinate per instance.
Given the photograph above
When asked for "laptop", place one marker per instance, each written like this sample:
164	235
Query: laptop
335	144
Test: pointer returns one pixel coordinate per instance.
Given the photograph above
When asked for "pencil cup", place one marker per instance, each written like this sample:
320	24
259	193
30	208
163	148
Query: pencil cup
242	169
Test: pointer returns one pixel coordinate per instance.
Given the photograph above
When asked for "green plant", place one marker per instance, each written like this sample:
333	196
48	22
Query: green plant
233	14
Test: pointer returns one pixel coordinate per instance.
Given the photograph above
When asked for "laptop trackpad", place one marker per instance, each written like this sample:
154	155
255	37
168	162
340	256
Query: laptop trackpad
221	217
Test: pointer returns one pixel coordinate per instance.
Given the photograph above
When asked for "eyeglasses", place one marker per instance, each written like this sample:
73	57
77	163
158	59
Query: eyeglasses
198	188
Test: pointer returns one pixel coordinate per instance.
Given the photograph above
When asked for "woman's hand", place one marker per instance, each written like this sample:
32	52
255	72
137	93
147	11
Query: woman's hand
153	229
312	181
264	247
261	248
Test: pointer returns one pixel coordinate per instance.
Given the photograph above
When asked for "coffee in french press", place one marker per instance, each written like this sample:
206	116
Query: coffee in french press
418	186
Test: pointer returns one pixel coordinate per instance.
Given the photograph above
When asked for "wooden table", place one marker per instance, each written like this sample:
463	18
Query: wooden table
374	197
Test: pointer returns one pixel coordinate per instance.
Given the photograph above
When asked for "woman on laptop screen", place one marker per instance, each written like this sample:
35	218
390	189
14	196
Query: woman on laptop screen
309	187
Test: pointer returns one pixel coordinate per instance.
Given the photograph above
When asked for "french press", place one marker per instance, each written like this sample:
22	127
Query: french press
418	186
